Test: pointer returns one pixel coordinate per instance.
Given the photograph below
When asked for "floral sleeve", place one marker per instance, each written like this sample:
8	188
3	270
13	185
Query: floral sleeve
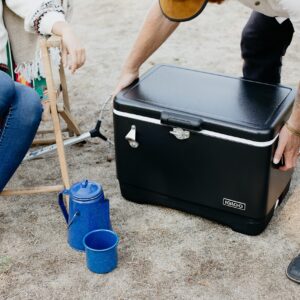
34	11
47	7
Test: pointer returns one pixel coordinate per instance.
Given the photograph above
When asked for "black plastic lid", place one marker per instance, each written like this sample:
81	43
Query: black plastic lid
223	104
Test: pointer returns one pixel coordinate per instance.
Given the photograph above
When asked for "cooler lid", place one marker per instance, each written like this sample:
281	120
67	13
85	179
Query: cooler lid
208	101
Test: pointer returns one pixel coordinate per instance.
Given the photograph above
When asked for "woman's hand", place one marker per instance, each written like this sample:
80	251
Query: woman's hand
127	77
289	138
154	32
288	145
70	45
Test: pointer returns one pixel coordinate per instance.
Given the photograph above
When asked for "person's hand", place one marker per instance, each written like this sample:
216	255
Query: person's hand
127	77
288	145
70	45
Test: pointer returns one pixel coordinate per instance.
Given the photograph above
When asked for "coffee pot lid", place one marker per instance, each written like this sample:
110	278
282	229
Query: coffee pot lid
86	190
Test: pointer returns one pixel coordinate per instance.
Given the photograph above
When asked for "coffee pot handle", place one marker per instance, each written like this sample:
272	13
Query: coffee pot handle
62	206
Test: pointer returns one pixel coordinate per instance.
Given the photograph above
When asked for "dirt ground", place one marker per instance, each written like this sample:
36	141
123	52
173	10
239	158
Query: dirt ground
163	253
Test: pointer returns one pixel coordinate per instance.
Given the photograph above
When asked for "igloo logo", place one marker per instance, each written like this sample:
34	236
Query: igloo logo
234	204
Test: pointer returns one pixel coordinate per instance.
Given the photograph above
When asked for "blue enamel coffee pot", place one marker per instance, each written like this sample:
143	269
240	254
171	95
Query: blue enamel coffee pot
88	211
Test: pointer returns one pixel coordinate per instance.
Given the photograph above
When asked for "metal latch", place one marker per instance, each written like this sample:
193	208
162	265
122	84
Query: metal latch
180	134
131	137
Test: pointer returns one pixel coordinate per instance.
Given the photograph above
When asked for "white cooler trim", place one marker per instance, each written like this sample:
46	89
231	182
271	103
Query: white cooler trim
204	132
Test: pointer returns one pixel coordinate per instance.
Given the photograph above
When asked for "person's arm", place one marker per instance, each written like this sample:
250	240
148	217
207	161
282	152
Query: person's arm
289	140
46	18
154	32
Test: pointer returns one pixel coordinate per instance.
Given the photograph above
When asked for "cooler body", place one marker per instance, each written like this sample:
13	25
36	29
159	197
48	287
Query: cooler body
202	143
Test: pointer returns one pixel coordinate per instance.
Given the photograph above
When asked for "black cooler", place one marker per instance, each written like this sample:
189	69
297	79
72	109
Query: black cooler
202	143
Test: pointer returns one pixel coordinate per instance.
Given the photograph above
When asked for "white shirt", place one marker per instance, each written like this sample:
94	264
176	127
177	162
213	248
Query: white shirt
281	9
28	9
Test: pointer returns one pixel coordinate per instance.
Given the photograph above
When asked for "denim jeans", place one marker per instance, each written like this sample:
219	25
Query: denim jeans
20	115
264	43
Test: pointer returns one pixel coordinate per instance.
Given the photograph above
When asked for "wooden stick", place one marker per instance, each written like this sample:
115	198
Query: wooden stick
65	114
54	114
46	131
33	190
64	87
66	100
49	141
53	94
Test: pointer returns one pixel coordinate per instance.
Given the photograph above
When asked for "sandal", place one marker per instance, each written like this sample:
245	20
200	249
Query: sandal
293	270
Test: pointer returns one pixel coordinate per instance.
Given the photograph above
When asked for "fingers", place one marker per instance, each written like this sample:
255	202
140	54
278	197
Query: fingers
279	151
117	90
290	160
83	57
72	45
124	83
288	145
73	66
77	59
289	163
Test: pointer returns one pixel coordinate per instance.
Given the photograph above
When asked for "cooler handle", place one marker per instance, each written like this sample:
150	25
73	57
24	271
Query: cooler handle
183	121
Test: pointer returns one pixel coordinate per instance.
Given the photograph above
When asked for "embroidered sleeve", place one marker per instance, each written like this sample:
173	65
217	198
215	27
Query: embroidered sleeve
47	21
33	11
45	16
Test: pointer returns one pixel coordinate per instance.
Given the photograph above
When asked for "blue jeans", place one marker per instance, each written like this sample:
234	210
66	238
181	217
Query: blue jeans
20	116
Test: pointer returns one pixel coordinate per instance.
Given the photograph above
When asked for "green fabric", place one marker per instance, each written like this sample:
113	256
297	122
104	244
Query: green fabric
9	61
40	86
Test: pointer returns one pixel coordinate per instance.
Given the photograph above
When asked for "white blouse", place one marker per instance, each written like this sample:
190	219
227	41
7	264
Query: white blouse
39	16
281	9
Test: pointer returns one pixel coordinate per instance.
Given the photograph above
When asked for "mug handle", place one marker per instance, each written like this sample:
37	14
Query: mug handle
62	206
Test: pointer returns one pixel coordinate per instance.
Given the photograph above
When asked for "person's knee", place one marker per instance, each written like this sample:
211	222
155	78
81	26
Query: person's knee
31	105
